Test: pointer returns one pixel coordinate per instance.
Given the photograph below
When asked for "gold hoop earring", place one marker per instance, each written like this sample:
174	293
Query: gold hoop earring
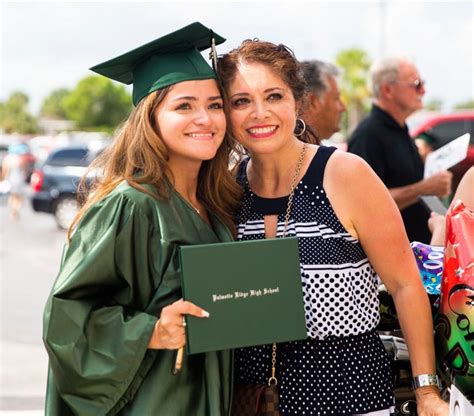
300	127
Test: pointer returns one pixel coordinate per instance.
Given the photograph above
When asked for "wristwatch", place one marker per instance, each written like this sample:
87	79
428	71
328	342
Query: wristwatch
423	380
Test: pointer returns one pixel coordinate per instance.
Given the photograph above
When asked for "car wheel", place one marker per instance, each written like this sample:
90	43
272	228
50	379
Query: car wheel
66	209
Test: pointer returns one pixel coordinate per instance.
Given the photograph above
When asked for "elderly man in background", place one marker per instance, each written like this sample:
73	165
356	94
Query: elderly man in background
382	139
325	108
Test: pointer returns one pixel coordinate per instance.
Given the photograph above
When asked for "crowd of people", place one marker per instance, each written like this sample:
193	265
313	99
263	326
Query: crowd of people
115	316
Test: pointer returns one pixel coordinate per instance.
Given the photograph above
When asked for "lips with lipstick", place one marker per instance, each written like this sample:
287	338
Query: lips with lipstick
262	132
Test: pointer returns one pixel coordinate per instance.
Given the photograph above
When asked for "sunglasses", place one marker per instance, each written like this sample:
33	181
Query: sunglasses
417	84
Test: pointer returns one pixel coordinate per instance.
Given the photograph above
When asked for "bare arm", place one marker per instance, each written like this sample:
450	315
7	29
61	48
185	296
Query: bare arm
5	168
439	184
465	193
377	223
437	226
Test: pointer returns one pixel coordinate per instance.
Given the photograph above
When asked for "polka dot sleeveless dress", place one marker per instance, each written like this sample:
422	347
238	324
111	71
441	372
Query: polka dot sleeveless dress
342	368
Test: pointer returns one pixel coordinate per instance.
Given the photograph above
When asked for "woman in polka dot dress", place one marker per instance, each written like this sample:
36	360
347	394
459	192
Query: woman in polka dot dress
348	229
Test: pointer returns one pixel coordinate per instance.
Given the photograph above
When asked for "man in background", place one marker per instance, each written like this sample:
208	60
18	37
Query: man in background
325	108
382	139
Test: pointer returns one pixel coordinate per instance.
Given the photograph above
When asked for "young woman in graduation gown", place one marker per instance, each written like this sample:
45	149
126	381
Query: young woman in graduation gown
114	319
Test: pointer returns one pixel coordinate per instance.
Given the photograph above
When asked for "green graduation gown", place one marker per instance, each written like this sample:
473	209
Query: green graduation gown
118	272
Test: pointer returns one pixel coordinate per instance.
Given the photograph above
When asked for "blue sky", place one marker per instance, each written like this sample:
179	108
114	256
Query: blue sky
48	45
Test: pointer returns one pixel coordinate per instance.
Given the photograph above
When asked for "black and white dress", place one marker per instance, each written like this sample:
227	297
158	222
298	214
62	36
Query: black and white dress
342	368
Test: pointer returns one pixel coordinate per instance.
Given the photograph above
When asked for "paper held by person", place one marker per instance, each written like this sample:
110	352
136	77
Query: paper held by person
447	156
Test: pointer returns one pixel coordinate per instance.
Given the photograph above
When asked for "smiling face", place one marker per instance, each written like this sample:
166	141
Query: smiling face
262	109
191	121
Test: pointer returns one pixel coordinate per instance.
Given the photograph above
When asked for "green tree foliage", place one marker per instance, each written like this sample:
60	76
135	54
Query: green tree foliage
434	104
53	105
466	105
14	115
97	104
355	64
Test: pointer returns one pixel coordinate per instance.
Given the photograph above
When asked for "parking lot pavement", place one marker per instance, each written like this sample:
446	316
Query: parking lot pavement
30	250
22	385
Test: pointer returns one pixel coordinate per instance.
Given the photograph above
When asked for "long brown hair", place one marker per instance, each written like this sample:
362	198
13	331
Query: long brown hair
139	156
280	59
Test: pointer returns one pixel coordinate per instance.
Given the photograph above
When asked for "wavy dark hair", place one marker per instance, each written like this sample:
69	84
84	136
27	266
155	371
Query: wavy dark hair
280	59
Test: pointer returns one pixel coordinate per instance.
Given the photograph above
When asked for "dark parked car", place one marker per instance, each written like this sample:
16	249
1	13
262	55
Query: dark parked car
440	129
55	183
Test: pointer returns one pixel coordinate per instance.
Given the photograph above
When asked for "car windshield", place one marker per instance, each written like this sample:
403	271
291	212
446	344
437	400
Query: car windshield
69	157
444	132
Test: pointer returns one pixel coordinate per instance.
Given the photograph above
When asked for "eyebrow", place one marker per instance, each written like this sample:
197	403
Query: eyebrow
265	91
191	98
275	88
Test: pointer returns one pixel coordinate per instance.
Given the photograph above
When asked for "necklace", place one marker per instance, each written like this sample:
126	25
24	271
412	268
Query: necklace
299	164
194	207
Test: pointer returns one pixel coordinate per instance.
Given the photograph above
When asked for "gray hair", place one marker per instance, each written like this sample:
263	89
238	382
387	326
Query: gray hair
316	74
384	70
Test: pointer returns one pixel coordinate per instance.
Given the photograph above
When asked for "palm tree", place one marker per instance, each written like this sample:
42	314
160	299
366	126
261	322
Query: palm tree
355	64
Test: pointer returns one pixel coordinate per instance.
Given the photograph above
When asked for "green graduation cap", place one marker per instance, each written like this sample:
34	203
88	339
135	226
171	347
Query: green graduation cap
165	61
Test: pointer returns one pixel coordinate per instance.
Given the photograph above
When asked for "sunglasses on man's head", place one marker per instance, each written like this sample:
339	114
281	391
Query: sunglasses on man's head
417	84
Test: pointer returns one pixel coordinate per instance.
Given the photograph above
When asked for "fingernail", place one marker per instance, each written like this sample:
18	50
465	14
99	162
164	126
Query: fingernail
205	314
